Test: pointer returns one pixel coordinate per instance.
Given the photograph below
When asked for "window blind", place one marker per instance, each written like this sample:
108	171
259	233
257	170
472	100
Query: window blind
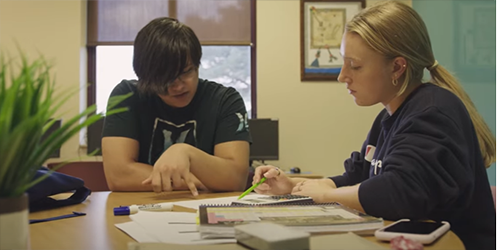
215	22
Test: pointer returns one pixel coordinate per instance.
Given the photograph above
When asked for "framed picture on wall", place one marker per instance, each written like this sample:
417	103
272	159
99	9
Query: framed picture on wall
322	24
475	40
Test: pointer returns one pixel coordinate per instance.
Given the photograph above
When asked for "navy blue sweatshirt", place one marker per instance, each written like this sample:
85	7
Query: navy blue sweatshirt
424	162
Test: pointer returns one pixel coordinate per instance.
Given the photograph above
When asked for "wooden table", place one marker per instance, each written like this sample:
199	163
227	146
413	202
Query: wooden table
97	229
308	176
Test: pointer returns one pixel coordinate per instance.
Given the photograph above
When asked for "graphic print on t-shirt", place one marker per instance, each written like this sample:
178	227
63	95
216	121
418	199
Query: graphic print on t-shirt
166	133
243	122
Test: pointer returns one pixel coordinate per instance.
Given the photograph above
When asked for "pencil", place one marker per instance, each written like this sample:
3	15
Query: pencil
252	188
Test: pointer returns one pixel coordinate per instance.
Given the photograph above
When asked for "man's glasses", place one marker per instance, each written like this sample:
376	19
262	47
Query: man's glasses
185	76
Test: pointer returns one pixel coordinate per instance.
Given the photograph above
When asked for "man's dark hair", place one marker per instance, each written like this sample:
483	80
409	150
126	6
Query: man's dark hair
162	50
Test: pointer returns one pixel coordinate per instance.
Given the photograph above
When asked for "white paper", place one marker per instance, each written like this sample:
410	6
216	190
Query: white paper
135	231
173	227
166	227
194	204
155	217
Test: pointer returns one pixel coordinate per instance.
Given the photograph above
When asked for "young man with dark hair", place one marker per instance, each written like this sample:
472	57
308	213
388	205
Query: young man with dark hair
180	132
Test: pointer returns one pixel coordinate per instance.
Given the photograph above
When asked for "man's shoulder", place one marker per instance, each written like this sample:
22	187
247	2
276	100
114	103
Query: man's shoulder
217	91
215	87
125	87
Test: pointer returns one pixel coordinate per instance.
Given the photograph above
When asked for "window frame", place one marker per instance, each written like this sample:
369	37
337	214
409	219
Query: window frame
94	132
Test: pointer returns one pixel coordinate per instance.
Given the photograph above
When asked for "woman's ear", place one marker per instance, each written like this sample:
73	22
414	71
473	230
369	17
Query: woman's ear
398	66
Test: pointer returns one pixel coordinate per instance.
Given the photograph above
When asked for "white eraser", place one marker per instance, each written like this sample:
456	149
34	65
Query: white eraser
270	236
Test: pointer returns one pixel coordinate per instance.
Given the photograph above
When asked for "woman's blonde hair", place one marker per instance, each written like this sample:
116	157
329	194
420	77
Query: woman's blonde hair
394	29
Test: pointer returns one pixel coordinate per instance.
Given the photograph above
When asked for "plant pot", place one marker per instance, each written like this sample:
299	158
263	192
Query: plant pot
14	223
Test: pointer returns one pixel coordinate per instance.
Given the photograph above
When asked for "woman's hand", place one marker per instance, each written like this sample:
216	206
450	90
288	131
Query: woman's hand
316	189
277	183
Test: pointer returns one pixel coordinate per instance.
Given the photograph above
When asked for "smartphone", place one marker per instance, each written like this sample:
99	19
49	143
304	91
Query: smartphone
424	232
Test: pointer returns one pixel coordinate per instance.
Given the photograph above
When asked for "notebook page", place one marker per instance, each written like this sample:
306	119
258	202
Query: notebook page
194	204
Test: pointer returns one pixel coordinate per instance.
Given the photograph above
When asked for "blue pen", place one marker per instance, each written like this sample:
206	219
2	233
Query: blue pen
74	214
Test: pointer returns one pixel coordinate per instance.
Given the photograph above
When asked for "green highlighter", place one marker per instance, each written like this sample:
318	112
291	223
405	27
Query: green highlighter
252	188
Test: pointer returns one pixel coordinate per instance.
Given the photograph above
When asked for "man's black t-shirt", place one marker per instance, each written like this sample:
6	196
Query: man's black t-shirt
216	114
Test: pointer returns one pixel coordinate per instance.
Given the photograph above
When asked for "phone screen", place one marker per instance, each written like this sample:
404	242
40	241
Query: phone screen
414	227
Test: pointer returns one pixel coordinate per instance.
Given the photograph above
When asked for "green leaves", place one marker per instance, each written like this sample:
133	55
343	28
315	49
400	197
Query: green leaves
27	106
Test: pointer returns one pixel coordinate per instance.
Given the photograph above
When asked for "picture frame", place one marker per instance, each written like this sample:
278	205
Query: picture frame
322	24
474	53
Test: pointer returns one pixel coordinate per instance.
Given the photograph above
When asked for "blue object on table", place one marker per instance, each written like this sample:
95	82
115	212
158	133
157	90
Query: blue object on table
74	214
55	183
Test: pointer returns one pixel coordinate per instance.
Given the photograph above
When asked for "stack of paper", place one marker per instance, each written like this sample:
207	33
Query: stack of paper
218	221
218	218
347	241
172	227
166	227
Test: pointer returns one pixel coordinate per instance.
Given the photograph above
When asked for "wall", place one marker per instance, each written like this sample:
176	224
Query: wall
449	24
55	29
320	125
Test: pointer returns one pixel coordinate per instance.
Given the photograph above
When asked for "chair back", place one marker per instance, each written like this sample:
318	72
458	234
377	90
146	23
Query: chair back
91	172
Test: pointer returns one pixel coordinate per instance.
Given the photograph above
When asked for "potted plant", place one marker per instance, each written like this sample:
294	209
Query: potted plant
28	102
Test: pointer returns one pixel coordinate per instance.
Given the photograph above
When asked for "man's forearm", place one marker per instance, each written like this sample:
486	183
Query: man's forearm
131	177
217	173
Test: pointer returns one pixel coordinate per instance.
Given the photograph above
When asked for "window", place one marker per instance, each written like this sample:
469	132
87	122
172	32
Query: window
228	65
226	30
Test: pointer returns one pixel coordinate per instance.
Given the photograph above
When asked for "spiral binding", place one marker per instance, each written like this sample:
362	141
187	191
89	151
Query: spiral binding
288	204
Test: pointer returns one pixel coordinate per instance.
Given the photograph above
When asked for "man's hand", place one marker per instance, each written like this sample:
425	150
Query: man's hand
171	170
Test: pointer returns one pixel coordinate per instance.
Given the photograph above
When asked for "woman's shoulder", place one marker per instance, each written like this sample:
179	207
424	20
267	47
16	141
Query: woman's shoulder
433	98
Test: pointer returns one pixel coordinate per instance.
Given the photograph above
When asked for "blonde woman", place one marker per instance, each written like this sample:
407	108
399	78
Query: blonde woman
426	154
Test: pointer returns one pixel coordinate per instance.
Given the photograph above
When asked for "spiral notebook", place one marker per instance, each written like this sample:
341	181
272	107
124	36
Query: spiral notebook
218	221
274	199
